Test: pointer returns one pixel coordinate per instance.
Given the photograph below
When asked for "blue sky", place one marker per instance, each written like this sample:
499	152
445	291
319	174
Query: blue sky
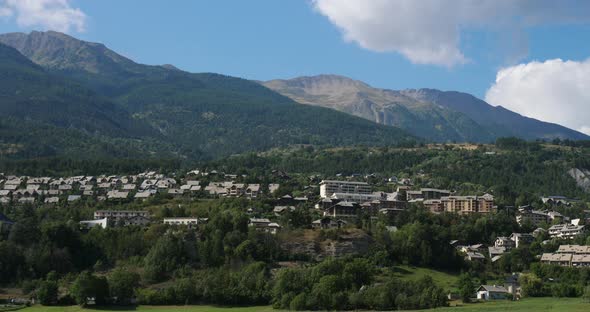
269	39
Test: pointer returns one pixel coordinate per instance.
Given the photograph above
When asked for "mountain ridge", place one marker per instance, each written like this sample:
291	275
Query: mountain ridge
434	114
204	114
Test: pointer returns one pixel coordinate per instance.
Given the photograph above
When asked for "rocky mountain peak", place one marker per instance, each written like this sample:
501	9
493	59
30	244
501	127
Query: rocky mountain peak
55	50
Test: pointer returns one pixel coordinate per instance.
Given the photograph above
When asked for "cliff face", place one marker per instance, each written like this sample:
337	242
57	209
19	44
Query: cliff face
313	244
582	177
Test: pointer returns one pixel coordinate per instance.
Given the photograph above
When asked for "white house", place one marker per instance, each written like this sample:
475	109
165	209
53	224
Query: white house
491	292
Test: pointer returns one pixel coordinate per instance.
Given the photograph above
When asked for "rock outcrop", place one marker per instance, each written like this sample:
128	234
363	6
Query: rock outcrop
313	244
582	177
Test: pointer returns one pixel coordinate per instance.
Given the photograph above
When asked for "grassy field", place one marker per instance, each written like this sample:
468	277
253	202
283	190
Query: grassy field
448	281
530	304
527	304
151	309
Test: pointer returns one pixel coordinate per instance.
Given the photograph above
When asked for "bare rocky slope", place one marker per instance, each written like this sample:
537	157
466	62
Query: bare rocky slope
582	177
312	244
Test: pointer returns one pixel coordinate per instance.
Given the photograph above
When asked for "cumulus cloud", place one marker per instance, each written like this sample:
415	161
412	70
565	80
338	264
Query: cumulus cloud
429	31
555	91
56	15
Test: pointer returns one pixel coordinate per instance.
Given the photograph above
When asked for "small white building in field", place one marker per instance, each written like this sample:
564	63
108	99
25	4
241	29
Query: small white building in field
491	292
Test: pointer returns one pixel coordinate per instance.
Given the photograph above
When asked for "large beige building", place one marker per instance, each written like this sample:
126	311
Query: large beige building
469	204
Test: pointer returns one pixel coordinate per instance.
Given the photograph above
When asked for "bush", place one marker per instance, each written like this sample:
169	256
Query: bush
47	292
87	286
148	296
122	285
345	284
29	286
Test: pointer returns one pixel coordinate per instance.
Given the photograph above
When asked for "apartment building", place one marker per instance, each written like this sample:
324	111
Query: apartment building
357	197
343	209
469	204
434	205
330	187
527	214
568	255
431	193
120	214
182	221
565	230
574	249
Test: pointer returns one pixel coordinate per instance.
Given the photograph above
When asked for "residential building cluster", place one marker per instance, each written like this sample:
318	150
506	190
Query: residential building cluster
345	199
566	231
568	256
51	191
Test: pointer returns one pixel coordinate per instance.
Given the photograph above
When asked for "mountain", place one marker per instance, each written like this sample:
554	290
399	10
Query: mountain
27	91
499	120
43	114
194	115
432	114
382	106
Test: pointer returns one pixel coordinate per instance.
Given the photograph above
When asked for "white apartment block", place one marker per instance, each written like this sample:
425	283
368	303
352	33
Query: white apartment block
181	221
120	214
330	187
566	231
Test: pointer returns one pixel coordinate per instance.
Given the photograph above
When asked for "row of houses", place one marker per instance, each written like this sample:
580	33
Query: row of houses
501	245
557	200
48	190
568	256
231	189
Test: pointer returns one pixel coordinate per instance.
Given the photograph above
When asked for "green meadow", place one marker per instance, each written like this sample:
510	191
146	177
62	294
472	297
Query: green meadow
528	304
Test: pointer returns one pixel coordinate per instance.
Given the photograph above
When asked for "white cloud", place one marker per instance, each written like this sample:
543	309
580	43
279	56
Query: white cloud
56	15
555	91
428	31
5	12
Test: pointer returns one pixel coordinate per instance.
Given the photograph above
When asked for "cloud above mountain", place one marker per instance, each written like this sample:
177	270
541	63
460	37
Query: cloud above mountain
555	91
429	31
56	15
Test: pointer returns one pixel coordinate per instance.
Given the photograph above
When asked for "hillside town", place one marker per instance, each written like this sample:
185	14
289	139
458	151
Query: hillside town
316	217
338	199
338	203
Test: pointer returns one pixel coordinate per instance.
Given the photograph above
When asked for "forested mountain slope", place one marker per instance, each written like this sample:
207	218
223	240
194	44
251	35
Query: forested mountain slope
195	115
